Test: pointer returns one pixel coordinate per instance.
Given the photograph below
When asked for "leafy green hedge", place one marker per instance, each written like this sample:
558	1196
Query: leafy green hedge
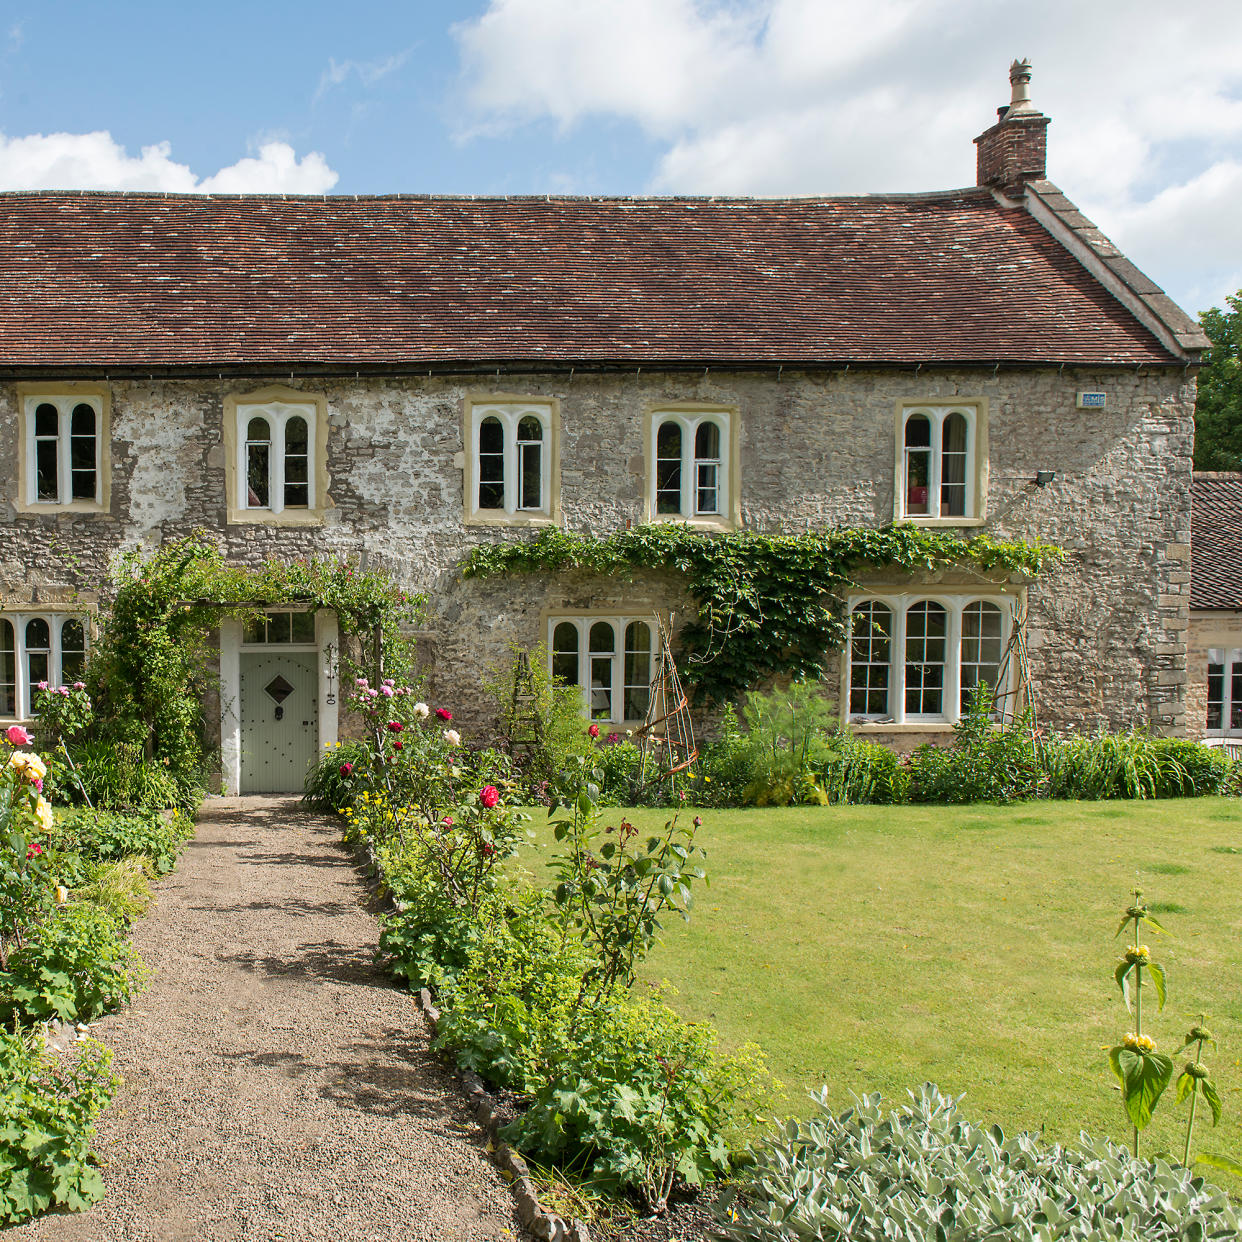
109	836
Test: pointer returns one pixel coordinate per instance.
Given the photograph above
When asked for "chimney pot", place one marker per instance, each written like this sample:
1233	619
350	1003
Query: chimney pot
1014	150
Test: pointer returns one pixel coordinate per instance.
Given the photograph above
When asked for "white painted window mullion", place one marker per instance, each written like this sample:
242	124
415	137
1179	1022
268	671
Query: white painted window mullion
952	698
897	674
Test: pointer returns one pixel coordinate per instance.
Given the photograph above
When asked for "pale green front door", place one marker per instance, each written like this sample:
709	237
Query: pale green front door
279	719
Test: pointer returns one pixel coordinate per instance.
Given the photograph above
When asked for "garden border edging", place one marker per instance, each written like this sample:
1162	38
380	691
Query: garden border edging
544	1225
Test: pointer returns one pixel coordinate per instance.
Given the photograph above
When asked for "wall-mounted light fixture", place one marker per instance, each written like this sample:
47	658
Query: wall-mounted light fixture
1044	477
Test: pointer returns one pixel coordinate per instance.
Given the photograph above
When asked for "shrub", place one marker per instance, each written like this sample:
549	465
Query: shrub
106	836
117	777
1189	769
786	732
75	966
328	786
924	1172
1110	765
725	763
47	1107
620	763
855	771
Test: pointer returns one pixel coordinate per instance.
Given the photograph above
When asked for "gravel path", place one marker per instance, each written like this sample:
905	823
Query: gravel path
275	1085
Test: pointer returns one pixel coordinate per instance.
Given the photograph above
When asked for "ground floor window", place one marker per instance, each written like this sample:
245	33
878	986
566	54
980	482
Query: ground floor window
1224	693
611	660
38	650
919	658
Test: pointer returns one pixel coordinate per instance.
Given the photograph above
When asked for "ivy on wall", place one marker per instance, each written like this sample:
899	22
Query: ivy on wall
148	669
768	604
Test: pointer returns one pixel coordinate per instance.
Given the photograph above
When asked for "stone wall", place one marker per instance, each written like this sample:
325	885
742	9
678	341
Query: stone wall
1107	631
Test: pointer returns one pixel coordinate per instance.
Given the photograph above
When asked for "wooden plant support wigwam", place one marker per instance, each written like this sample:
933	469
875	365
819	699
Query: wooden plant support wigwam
666	736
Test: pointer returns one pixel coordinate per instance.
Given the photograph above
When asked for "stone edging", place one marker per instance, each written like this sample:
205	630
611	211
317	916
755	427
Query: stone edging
542	1224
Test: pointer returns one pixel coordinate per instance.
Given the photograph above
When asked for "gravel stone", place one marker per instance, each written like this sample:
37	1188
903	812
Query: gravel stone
276	1085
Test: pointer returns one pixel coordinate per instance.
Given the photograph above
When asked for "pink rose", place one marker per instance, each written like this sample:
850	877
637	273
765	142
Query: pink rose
33	850
447	821
594	730
79	685
43	685
386	691
489	795
63	690
360	681
346	768
444	714
17	736
38	784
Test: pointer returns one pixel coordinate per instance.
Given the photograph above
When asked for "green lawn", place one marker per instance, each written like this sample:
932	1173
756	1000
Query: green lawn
873	948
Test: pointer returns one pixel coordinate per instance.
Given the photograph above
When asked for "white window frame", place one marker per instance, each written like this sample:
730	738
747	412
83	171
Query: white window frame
974	413
64	402
56	622
510	415
277	414
689	422
899	604
620	623
1228	658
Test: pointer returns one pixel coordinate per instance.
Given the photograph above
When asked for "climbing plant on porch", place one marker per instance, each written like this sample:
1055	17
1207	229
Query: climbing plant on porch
768	604
149	667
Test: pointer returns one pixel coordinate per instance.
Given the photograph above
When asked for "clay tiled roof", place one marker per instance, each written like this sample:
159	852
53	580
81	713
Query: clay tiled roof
116	280
1216	541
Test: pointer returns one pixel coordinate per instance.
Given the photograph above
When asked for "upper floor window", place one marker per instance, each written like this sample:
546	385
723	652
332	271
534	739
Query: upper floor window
690	453
1224	693
511	461
611	659
38	650
939	463
276	467
917	659
64	449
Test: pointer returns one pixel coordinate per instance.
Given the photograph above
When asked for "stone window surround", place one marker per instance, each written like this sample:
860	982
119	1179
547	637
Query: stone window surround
690	414
976	411
511	408
56	619
277	404
619	620
1229	659
899	601
61	393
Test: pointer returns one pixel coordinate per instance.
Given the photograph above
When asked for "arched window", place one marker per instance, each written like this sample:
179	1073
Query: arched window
637	670
258	464
871	630
63	456
982	635
689	456
491	464
668	467
937	462
72	650
511	460
8	669
38	651
565	647
278	453
602	657
530	463
297	463
926	642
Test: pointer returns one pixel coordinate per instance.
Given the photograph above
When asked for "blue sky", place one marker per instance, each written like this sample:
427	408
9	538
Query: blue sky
640	96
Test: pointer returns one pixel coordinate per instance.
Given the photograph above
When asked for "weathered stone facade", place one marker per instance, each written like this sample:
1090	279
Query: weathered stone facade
1107	630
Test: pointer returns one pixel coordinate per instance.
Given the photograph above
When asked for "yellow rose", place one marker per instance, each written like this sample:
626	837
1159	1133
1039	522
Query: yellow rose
43	809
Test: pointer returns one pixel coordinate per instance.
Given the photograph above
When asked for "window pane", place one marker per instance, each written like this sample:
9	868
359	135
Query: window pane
38	652
491	464
257	429
981	648
47	470
297	464
47	420
918	465
302	627
953	467
926	630
82	420
255	630
1235	702
38	635
870	655
565	653
258	461
530	475
72	651
603	638
8	669
530	428
601	687
707	441
82	452
297	436
1215	696
707	490
668	468
637	670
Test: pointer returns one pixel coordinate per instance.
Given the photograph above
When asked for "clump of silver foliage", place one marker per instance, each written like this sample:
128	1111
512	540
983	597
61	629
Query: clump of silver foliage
922	1173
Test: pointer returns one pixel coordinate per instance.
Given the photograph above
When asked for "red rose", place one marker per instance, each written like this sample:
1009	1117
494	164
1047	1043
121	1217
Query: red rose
395	726
444	714
398	744
594	730
346	768
34	850
489	795
488	849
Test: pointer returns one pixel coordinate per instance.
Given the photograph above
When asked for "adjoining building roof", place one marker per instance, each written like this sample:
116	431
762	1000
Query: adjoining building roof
1216	541
114	280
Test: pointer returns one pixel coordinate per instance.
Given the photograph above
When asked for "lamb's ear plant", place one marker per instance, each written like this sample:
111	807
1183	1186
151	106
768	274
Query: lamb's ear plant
1143	1072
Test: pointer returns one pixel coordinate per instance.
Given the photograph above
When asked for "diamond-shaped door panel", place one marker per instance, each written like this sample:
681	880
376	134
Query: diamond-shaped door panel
278	689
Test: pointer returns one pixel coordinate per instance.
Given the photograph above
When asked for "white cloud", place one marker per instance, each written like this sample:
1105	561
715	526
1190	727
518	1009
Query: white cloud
368	72
832	97
97	162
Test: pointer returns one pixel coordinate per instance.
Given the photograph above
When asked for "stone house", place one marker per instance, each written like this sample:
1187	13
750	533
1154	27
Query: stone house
1214	656
401	378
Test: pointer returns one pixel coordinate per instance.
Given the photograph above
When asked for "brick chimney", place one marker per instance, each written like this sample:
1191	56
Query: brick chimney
1014	150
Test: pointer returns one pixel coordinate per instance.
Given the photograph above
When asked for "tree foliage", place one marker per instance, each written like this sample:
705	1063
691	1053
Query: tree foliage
1218	411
